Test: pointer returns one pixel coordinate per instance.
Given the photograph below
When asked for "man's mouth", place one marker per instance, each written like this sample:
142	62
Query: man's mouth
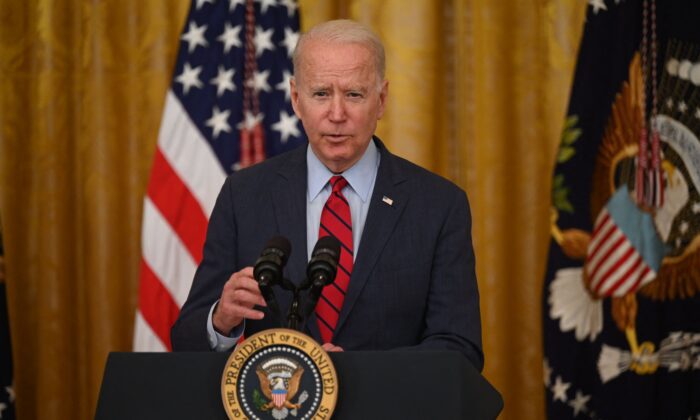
337	137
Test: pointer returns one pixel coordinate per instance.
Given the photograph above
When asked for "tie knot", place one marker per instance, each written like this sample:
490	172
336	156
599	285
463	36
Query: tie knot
338	183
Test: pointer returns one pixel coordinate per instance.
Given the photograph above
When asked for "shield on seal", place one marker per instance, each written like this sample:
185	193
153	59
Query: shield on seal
279	396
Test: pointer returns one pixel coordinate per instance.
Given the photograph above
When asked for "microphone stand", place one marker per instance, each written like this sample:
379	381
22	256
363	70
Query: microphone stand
294	318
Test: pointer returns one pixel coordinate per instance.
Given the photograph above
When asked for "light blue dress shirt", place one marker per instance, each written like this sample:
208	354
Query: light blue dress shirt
361	178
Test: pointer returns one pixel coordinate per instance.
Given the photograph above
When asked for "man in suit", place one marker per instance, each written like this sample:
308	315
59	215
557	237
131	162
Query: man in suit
406	276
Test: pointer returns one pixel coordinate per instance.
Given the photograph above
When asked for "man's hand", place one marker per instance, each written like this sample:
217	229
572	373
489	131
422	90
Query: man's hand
331	347
240	294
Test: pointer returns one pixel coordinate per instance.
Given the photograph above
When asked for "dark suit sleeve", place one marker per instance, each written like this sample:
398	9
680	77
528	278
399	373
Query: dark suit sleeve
452	317
218	263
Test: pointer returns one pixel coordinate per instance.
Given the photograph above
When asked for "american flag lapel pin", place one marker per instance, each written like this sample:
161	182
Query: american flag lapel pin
388	200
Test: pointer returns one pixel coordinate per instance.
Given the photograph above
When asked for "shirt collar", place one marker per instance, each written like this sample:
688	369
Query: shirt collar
360	176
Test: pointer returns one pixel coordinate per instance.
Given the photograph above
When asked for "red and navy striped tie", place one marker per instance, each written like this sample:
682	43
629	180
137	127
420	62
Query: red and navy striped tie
335	221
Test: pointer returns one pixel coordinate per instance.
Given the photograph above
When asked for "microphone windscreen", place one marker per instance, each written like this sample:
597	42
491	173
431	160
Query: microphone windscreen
328	244
282	244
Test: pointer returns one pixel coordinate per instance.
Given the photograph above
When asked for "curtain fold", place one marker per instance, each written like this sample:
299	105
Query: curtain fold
477	93
82	88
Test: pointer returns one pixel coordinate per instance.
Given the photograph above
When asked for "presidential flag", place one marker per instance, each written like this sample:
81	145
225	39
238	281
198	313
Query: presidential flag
621	318
228	107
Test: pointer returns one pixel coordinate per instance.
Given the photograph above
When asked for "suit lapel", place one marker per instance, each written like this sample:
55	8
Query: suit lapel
289	201
387	203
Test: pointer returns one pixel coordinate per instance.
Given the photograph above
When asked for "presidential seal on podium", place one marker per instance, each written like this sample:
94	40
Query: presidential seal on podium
282	373
279	374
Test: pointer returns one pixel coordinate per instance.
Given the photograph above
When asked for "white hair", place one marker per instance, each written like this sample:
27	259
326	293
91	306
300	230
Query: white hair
343	31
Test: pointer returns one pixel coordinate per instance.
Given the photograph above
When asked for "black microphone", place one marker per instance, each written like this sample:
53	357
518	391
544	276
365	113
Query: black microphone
321	269
268	268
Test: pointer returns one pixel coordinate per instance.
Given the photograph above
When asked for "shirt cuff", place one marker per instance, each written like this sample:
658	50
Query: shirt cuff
218	342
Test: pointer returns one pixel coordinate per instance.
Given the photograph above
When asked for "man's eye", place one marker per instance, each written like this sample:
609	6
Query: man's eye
320	94
354	94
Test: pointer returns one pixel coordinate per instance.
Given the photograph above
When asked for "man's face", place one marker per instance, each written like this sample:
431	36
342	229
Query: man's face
339	100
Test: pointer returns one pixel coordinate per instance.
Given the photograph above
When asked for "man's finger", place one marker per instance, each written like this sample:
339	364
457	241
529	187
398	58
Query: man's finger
243	297
249	313
331	347
243	282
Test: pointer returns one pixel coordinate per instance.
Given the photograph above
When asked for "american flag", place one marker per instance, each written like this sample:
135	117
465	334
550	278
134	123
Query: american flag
228	107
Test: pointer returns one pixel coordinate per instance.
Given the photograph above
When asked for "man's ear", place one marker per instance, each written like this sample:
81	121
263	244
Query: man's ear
294	93
383	94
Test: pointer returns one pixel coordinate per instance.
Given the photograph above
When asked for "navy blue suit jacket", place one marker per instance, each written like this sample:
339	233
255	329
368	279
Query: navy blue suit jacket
413	282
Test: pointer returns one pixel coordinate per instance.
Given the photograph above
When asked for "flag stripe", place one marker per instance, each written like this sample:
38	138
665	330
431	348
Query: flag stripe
606	260
601	240
177	205
158	317
616	246
609	281
144	336
602	220
190	154
165	253
627	278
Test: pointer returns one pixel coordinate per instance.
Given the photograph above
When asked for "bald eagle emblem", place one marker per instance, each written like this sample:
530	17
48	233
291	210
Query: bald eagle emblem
279	382
634	249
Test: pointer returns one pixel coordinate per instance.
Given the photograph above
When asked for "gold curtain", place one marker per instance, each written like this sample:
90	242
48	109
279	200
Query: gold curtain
83	85
478	91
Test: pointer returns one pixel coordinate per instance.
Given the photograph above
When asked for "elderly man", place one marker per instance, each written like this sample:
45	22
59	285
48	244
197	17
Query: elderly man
406	276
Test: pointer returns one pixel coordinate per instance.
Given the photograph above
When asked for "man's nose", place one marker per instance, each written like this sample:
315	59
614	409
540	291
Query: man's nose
336	113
